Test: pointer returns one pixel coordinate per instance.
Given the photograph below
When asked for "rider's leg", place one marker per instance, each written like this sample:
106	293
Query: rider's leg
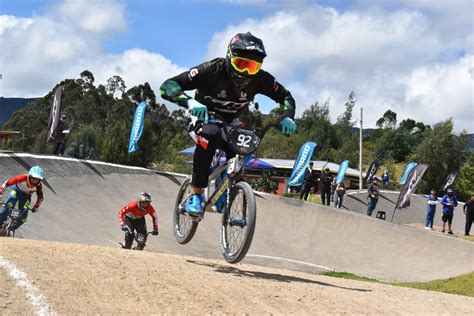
11	202
140	227
201	164
24	201
129	235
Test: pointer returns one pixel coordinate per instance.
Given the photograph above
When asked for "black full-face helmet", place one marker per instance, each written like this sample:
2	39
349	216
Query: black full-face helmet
245	54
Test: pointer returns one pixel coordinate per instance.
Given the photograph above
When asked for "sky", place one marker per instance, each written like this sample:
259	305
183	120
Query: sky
414	57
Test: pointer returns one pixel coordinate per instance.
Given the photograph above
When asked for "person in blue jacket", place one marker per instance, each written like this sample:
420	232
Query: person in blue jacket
431	209
449	202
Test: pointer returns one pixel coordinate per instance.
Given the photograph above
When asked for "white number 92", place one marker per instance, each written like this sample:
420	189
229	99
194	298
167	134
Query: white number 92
243	140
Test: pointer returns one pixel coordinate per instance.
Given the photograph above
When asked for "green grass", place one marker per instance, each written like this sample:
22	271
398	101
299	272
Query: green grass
460	285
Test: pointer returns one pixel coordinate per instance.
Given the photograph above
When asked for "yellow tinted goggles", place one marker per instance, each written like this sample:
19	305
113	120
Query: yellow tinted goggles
245	65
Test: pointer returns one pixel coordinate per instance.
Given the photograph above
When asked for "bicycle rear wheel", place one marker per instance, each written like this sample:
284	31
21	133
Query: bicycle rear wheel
238	223
183	226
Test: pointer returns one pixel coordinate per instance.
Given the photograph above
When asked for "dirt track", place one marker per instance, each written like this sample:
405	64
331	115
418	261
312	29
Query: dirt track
90	279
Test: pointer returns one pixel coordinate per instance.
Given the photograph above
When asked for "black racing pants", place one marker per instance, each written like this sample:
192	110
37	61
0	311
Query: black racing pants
469	220
60	146
138	225
203	157
305	189
326	196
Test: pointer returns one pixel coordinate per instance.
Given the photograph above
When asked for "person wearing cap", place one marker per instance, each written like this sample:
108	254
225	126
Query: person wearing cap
23	187
308	182
326	180
449	202
58	136
373	196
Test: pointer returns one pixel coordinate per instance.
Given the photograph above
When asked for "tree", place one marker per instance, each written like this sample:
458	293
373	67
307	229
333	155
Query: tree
465	183
443	151
346	118
408	124
396	144
114	85
388	120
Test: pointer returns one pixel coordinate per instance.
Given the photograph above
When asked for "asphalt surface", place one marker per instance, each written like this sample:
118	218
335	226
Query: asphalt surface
82	199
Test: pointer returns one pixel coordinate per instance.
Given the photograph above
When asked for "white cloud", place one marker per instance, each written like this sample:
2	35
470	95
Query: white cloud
39	52
318	52
99	17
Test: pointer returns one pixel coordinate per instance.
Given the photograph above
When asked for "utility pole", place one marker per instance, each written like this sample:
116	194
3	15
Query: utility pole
360	150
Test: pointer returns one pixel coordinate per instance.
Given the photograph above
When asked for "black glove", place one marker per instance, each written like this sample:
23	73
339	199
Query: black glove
155	233
34	209
125	228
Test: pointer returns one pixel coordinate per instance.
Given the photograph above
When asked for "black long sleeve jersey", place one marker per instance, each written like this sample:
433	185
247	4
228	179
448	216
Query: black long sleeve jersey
215	89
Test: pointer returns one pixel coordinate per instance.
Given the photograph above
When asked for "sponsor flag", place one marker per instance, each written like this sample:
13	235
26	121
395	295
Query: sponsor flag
301	163
412	181
137	126
342	171
406	172
449	180
374	166
54	113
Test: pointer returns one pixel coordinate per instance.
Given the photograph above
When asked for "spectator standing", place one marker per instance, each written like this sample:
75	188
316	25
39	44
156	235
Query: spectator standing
326	180
449	202
308	182
59	137
468	209
431	209
340	192
385	180
373	197
333	189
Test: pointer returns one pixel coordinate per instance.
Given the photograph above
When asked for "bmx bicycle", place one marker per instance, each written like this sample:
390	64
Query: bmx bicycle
226	186
14	214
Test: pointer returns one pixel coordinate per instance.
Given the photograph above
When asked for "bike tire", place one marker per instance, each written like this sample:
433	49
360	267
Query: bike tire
235	253
183	226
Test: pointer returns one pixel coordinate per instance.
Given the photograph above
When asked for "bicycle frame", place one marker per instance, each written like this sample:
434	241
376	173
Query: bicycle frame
231	168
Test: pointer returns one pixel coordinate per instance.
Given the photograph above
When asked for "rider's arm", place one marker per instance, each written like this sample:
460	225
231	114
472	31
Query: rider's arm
152	213
39	194
277	92
121	214
173	88
17	179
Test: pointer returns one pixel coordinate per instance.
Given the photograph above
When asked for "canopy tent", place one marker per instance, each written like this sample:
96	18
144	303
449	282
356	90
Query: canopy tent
253	163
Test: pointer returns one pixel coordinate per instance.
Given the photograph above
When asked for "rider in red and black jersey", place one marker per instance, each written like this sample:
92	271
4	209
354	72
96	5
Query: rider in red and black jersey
24	185
132	218
226	86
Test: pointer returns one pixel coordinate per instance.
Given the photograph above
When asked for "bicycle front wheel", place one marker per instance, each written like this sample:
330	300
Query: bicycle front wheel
238	223
184	227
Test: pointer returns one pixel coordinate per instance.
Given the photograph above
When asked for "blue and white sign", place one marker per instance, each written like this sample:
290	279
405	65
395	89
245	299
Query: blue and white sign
342	171
301	163
137	126
406	172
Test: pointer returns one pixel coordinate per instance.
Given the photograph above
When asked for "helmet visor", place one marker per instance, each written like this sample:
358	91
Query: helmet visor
242	65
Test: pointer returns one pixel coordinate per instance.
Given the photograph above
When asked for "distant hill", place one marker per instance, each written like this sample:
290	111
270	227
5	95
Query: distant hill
10	105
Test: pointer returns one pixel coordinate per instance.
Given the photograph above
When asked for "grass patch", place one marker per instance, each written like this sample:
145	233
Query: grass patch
460	285
350	276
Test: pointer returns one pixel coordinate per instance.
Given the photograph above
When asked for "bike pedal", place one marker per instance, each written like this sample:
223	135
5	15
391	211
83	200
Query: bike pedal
196	218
